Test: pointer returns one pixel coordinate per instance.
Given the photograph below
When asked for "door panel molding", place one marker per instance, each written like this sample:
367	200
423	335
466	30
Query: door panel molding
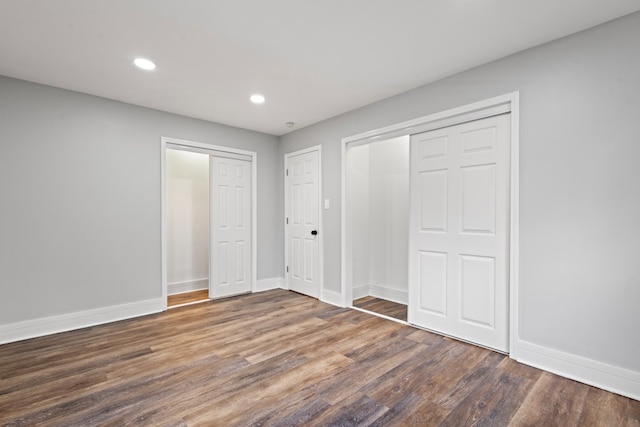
230	230
296	215
476	242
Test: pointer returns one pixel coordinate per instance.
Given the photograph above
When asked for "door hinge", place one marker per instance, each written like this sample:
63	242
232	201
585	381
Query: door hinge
287	268
287	220
287	172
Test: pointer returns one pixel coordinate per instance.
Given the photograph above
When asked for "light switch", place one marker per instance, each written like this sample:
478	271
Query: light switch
327	203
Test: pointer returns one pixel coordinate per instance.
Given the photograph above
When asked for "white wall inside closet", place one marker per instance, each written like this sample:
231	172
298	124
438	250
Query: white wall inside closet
187	221
378	198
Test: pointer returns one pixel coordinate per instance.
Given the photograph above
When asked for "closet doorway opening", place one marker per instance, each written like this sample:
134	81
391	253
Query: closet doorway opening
378	214
463	221
208	221
187	192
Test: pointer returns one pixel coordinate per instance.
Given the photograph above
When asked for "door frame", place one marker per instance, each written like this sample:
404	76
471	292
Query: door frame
508	103
208	149
317	148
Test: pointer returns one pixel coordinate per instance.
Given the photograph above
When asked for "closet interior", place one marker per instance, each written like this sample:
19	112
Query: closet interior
378	211
187	192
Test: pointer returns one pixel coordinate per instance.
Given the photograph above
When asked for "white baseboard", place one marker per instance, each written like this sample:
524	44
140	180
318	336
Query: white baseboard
331	297
269	284
361	291
390	294
189	286
598	374
381	291
66	322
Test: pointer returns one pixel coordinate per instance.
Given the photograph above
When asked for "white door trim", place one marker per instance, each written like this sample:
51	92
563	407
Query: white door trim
317	148
477	110
210	149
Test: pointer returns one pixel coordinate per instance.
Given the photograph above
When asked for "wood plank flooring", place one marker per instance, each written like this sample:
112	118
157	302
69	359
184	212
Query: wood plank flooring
382	306
279	358
188	297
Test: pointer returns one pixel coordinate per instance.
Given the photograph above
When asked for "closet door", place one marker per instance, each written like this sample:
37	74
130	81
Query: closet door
459	225
230	209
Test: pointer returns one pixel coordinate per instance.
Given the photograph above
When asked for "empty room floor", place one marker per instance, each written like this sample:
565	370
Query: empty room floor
280	358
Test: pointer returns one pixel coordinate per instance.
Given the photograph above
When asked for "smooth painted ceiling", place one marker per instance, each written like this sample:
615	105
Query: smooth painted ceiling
311	59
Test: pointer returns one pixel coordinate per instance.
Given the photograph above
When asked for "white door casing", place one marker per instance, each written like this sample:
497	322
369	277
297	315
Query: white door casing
459	231
230	212
302	222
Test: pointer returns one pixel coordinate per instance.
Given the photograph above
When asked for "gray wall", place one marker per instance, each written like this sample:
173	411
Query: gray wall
80	188
580	201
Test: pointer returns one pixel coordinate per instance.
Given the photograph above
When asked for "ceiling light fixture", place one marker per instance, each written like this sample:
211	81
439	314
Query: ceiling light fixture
257	99
144	64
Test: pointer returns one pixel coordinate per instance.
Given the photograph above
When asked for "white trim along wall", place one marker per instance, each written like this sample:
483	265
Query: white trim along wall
82	319
188	286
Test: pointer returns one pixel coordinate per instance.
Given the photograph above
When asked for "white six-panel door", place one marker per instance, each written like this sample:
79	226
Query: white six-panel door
302	223
459	225
230	210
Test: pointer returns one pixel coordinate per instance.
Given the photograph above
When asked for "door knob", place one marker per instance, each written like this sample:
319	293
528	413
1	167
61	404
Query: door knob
314	233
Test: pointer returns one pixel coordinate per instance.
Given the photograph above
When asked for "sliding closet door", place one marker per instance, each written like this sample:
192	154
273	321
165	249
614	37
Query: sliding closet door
459	225
230	209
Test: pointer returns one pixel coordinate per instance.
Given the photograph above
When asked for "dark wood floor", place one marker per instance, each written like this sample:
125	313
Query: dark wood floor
280	358
382	306
188	297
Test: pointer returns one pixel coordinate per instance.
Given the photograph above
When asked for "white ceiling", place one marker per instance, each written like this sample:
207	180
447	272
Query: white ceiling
311	59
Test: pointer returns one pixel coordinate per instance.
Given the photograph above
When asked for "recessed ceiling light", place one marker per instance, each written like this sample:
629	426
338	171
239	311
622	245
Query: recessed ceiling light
257	99
144	64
